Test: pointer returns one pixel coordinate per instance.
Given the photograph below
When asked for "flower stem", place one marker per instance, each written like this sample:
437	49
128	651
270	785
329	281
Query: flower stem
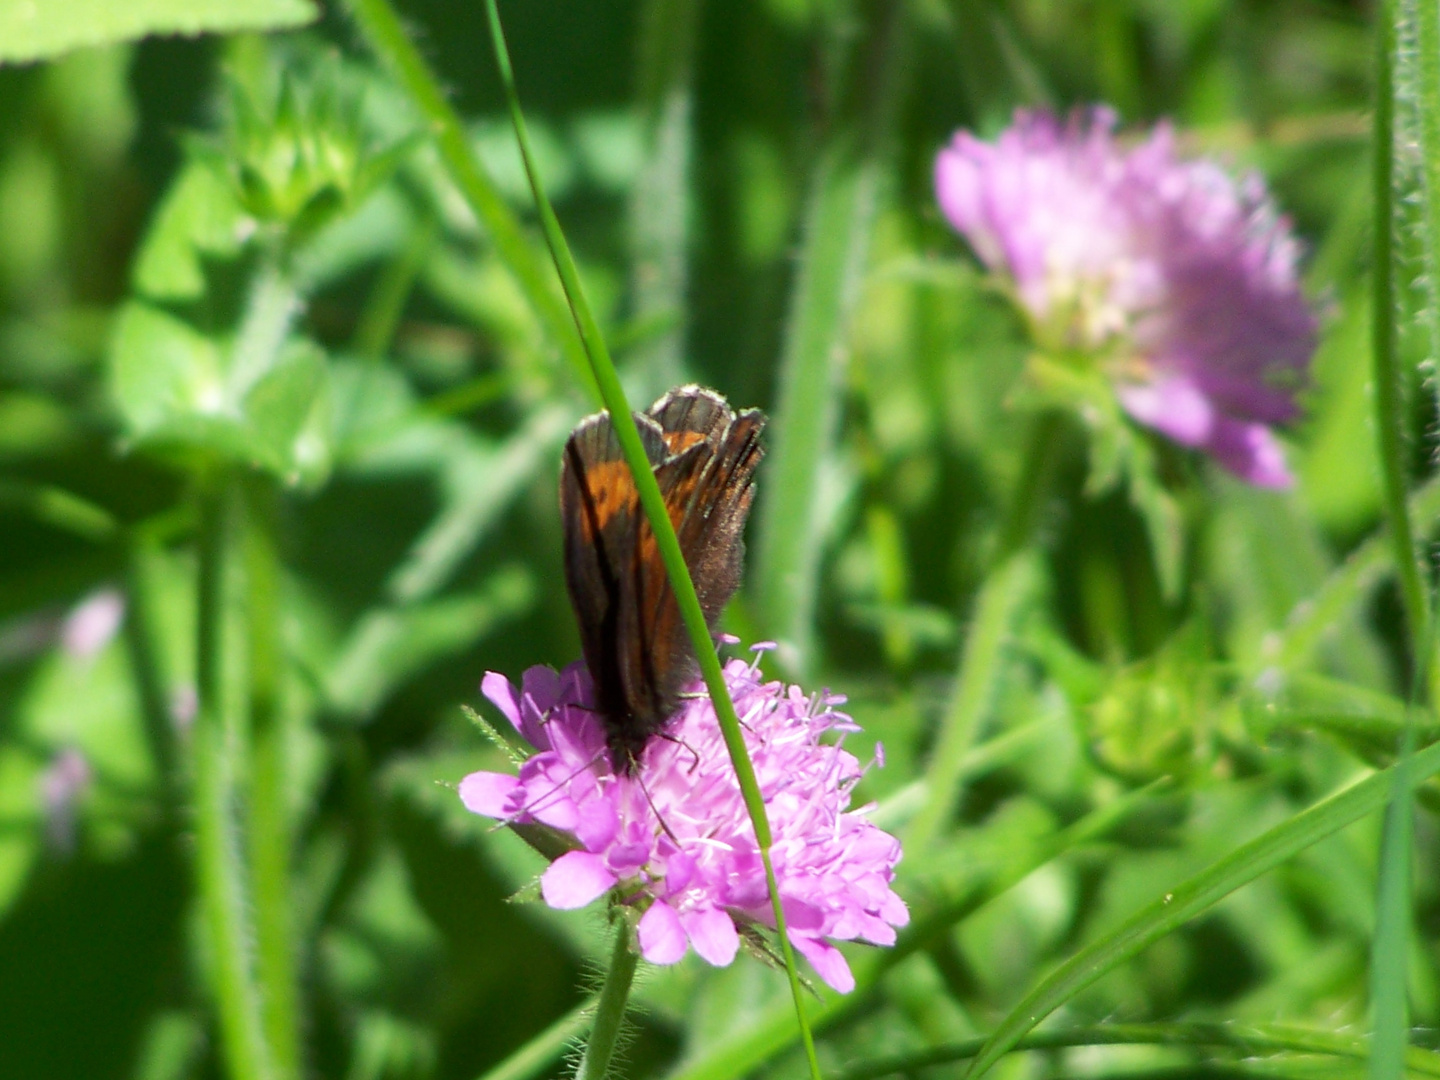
218	866
1042	455
1390	425
610	1009
269	818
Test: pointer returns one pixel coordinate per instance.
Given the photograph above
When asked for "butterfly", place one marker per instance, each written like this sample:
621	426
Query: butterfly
703	454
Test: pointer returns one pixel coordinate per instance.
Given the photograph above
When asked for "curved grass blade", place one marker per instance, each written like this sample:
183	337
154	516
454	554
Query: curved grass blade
621	418
537	1055
1194	896
1249	1039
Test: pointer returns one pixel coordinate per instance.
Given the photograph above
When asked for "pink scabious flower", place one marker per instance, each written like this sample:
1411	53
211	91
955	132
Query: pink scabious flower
676	836
1181	274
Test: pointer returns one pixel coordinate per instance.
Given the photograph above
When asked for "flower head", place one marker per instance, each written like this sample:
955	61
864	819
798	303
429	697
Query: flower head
676	835
1181	274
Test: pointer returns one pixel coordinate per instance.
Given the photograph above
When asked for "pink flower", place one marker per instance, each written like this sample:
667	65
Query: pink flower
676	835
1183	274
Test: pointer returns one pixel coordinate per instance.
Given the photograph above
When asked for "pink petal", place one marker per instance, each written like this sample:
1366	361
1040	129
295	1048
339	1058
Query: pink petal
596	823
662	938
574	879
712	932
487	793
501	694
827	961
1251	452
1173	405
894	911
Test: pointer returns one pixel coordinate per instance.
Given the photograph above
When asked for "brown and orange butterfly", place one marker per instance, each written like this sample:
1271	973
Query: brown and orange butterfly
703	455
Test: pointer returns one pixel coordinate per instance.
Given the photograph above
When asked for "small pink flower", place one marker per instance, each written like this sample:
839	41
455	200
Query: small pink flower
677	836
1185	272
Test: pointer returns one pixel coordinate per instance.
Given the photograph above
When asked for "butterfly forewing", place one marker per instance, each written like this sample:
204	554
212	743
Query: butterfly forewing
636	647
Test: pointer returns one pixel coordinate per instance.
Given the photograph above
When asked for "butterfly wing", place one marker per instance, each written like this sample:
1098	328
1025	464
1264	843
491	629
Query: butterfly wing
636	646
600	509
708	491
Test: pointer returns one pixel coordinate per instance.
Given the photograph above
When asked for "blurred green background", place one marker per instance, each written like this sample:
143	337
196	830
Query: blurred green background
747	186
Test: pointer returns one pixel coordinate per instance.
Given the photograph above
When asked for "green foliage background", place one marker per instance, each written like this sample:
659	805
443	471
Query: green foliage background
266	330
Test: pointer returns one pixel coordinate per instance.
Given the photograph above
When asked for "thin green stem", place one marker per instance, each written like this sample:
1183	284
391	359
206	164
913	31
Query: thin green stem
1390	415
1249	1039
139	631
1389	958
270	310
269	818
218	864
386	302
610	1009
1037	475
841	208
380	24
613	395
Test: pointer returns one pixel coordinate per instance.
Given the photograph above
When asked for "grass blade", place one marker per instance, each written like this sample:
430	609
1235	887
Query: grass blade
1249	1039
621	418
1193	896
1003	596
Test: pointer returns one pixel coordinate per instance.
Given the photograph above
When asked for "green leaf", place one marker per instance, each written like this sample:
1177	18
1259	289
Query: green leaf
198	217
43	29
1191	897
288	416
176	392
162	369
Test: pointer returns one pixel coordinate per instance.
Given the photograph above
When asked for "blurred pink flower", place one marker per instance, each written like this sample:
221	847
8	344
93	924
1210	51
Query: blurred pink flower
92	623
62	784
676	835
1184	273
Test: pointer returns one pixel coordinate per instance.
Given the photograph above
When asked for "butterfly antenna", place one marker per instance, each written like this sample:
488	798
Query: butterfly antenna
635	772
681	742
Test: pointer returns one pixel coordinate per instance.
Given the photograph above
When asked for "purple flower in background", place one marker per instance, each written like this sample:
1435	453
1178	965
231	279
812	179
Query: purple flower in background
677	835
1182	275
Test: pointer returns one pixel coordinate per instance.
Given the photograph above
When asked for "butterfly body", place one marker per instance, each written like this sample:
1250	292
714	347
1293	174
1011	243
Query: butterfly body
703	455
